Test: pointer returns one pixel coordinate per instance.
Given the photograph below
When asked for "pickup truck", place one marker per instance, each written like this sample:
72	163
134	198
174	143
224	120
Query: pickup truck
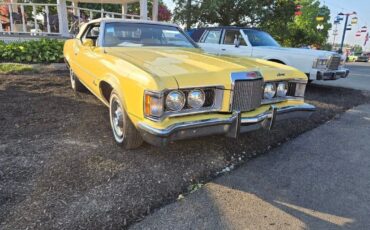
251	42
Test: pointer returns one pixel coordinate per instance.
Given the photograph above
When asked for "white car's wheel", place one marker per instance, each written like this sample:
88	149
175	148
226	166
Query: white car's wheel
124	131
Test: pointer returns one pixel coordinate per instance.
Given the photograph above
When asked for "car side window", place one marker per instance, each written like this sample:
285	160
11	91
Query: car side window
232	35
92	32
213	36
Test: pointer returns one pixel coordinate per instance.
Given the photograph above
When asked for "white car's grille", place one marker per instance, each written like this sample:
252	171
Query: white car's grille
247	95
333	63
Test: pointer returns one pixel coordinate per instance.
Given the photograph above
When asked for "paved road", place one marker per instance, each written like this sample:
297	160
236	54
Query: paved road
359	77
319	180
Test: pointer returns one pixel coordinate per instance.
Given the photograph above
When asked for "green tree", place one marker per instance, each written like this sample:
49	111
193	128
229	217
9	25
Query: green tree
187	12
275	16
303	29
277	19
357	49
134	8
222	12
235	12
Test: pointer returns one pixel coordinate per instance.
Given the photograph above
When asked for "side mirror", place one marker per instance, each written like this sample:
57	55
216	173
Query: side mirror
88	42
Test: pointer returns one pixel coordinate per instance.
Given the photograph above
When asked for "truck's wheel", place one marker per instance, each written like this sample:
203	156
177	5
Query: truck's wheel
76	85
124	131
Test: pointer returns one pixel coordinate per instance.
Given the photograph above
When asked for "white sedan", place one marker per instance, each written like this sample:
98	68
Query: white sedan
239	41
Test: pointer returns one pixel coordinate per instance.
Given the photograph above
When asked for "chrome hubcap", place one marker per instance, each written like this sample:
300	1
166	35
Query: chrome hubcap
117	119
72	76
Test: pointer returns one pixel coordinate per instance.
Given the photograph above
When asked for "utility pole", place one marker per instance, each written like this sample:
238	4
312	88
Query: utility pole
345	29
188	14
335	33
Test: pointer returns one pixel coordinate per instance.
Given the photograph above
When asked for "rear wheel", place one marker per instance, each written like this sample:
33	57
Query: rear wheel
124	132
76	85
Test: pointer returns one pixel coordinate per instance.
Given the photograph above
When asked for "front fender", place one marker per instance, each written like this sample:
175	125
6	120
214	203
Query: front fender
281	59
67	50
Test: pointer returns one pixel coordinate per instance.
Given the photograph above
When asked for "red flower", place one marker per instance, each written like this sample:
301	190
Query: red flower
164	14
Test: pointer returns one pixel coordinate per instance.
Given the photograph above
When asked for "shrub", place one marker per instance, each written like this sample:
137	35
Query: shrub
35	51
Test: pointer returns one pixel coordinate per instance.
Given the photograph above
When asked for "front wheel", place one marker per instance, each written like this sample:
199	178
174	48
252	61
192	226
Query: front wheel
76	85
124	132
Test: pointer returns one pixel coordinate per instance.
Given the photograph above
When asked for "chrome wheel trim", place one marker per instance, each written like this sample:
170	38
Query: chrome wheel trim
116	119
73	79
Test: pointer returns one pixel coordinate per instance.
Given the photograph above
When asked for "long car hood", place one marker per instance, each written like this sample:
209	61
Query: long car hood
192	67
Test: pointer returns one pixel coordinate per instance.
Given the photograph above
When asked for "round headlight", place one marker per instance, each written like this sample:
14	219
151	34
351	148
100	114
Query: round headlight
175	100
196	98
282	89
269	91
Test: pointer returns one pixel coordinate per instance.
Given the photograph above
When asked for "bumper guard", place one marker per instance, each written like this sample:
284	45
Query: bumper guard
332	74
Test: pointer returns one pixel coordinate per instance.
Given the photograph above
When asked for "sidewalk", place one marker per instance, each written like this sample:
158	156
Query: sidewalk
320	180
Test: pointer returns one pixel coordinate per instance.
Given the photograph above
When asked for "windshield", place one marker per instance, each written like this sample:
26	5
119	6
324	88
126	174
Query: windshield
260	38
121	34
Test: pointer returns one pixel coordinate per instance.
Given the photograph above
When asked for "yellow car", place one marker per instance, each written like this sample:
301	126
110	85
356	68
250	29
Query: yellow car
160	87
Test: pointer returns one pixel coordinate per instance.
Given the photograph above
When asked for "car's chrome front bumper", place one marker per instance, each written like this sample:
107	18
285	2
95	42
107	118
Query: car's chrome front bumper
332	74
230	127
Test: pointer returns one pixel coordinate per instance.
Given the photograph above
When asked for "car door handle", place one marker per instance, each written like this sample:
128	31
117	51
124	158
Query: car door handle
223	49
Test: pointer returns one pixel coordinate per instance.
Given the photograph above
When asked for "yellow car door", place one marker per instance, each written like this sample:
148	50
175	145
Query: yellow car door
86	56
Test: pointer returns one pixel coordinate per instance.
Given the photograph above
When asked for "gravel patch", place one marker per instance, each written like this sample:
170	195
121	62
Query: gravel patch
60	167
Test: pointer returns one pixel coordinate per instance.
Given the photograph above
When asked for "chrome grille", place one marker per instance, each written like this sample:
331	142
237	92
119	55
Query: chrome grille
291	89
333	63
247	95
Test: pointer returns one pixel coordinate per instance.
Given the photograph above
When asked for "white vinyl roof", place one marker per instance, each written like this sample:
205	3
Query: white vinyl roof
107	20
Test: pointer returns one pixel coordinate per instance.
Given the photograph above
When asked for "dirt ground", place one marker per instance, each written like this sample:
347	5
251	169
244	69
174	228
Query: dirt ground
60	168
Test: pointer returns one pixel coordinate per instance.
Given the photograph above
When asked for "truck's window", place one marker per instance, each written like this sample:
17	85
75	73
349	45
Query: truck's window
232	35
213	36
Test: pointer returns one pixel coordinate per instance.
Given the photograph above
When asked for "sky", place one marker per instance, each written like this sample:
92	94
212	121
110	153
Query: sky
361	7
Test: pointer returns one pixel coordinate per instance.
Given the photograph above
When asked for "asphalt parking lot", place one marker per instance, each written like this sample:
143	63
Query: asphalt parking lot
319	180
60	167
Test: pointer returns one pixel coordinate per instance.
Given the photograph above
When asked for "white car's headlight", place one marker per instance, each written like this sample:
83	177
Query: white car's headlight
175	100
269	91
282	89
320	63
196	98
